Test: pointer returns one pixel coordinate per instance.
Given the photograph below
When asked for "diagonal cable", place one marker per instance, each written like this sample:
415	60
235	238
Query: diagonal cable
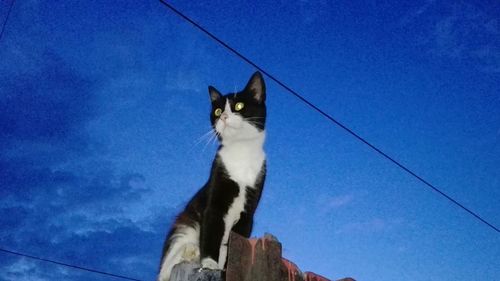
68	265
6	19
328	116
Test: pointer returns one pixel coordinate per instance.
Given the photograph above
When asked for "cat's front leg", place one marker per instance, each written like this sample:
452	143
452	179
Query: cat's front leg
212	231
244	225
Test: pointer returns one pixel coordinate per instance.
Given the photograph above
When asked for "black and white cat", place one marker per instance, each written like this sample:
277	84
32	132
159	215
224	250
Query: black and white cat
227	202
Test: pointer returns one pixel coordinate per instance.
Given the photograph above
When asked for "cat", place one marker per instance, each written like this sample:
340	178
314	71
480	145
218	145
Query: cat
227	202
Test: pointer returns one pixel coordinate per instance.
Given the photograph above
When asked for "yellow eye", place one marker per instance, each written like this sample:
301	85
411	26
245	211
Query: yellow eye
218	112
239	106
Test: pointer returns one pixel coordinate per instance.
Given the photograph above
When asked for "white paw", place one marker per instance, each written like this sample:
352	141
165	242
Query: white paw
209	264
191	253
162	277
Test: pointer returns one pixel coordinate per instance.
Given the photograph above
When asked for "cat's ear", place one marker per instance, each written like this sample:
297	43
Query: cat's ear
214	94
256	87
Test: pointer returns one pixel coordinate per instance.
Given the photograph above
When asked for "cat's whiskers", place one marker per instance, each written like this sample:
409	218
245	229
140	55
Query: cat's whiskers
204	136
256	123
252	120
213	138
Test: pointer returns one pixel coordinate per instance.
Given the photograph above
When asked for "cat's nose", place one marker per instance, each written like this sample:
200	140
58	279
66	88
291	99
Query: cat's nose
224	117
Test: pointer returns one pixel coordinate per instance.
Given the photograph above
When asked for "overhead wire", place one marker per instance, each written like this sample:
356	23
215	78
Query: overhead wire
328	116
6	19
69	265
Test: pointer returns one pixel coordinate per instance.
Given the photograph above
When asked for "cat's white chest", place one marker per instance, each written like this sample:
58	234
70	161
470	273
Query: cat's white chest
243	163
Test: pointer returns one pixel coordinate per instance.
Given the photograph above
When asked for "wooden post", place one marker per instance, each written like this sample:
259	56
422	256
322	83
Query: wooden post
260	259
256	259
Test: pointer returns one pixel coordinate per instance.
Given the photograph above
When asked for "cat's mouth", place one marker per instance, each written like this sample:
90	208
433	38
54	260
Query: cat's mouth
223	125
226	128
226	125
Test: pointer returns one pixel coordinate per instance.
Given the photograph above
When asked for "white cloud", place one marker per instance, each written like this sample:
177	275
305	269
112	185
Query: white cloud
457	31
416	13
340	201
333	203
23	270
489	56
374	225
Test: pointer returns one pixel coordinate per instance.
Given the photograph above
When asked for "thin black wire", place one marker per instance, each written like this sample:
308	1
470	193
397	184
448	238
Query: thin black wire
328	116
69	265
6	19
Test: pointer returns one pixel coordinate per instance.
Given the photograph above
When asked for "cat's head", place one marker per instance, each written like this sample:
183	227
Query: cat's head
242	115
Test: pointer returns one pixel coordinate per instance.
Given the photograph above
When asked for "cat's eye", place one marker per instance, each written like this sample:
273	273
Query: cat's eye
239	106
218	112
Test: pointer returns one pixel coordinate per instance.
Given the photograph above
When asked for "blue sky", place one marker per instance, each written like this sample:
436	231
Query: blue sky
102	106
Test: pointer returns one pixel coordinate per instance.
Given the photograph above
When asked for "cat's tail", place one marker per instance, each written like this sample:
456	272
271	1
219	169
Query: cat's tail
181	245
